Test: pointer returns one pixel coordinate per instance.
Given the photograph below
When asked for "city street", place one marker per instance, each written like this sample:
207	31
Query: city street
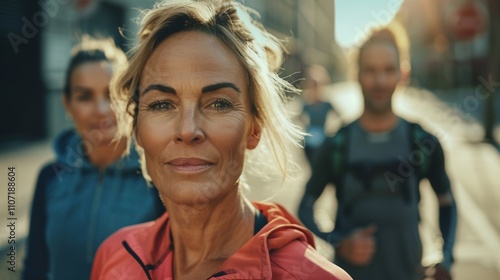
473	167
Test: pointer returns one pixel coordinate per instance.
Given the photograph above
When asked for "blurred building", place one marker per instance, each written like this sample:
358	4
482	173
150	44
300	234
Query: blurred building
450	41
309	27
40	35
22	87
454	50
37	37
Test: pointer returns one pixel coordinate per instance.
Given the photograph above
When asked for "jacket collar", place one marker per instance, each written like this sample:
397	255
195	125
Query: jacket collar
68	148
153	243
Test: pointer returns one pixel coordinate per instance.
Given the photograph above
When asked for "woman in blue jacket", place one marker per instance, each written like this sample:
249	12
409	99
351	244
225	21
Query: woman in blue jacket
91	189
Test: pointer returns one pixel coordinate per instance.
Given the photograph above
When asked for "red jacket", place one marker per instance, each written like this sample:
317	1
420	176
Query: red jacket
282	249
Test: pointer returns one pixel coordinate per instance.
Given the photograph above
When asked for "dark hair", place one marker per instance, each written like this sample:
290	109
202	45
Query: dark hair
381	36
92	50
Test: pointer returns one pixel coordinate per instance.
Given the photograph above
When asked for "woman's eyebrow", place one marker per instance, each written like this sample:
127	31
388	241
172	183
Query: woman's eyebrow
81	88
209	88
159	87
218	86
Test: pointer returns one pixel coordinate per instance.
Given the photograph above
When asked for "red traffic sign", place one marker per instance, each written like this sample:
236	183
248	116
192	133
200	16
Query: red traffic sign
468	20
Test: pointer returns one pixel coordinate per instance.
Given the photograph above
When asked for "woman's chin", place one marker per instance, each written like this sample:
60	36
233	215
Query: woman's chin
197	195
108	133
100	138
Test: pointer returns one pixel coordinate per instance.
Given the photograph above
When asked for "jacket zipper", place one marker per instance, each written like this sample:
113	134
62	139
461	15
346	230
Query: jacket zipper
94	213
145	268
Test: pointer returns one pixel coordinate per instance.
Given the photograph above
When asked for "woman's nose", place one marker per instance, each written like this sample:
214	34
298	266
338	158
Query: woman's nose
189	130
103	106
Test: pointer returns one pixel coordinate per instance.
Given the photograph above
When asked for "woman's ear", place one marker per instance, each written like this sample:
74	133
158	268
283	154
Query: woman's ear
254	136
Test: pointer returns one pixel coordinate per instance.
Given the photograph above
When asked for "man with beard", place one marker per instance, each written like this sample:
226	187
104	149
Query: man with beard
376	164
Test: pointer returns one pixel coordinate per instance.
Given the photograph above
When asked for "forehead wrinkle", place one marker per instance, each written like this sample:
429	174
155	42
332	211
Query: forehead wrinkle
174	61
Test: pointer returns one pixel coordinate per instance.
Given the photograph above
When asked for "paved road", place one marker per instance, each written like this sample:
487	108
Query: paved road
473	169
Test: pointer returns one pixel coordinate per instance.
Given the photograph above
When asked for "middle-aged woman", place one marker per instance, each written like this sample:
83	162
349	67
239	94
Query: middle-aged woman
202	91
90	190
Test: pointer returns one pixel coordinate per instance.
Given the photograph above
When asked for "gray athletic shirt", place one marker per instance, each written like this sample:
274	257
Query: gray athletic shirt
390	205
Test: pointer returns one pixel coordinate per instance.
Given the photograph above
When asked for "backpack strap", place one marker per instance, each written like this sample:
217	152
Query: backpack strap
338	155
418	134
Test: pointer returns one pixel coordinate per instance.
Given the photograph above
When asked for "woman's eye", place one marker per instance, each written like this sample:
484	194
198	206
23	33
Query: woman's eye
83	96
162	105
221	105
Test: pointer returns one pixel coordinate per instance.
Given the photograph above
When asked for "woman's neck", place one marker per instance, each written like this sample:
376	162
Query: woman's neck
204	236
105	154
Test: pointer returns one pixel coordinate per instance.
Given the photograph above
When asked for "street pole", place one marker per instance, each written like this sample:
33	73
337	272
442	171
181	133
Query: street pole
494	45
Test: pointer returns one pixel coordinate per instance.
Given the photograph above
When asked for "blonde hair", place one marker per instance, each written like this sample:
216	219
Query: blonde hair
259	52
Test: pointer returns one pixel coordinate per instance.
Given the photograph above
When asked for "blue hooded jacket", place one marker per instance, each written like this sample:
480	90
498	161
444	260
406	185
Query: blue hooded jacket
76	206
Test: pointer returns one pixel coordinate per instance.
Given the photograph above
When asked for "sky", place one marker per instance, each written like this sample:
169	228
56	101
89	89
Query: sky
355	18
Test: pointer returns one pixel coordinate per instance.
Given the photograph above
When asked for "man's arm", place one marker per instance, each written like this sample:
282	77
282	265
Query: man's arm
314	188
322	171
447	209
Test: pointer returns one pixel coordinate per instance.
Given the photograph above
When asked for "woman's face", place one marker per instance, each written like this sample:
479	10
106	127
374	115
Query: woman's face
88	102
194	119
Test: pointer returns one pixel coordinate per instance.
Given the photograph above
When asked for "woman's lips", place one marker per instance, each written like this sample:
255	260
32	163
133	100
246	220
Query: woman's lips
189	165
103	125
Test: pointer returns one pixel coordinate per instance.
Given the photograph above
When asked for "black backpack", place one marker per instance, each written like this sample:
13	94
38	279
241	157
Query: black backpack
339	146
